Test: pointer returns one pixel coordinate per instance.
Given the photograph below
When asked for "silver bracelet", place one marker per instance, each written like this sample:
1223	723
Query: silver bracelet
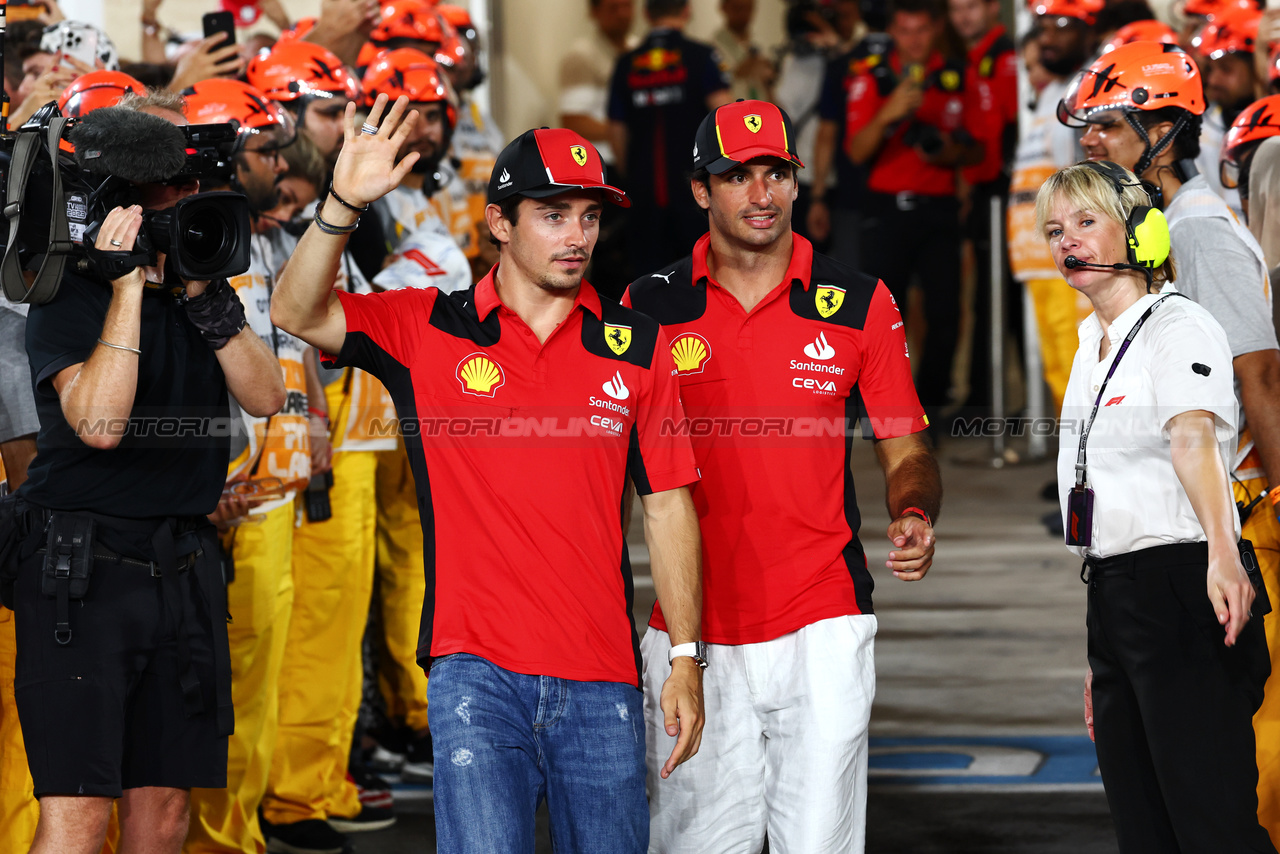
118	347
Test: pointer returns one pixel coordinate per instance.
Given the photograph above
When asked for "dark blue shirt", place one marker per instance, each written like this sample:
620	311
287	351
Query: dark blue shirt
659	91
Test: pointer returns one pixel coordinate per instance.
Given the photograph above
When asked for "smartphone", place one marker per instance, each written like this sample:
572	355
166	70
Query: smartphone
80	43
220	22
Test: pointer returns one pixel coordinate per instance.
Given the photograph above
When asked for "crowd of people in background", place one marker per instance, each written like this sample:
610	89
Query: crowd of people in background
909	119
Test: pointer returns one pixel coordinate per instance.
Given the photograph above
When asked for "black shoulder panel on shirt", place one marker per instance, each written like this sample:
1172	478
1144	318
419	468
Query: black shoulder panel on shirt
841	293
455	314
669	295
621	334
950	77
1000	47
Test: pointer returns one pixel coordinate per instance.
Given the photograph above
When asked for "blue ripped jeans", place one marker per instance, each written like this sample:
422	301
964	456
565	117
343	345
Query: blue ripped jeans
505	741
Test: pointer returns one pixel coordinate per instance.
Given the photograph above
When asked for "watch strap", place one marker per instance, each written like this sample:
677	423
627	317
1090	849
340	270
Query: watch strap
697	650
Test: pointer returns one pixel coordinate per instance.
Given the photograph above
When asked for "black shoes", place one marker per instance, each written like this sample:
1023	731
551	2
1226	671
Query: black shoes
313	836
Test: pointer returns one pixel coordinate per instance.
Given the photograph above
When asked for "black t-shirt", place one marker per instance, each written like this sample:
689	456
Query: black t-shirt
659	90
172	459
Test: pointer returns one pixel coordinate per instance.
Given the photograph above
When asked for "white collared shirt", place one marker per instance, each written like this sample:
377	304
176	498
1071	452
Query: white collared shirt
1178	362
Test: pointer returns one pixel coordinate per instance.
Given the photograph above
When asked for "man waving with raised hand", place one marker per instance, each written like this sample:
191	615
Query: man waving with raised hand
526	402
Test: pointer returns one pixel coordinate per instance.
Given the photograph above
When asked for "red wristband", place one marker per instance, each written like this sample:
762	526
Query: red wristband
316	413
917	512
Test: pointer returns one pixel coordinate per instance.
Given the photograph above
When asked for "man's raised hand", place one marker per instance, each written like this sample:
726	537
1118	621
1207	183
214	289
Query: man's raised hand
367	169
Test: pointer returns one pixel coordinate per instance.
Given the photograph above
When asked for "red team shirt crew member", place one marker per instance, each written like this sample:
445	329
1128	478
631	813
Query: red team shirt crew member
526	622
912	118
773	344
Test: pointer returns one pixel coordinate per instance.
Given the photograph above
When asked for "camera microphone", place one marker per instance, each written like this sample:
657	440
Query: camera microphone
138	147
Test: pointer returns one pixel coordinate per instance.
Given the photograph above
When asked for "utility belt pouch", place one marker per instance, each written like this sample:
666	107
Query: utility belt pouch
1249	558
10	538
68	562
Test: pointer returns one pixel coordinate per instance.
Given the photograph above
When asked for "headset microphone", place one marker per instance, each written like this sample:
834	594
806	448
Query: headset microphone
1071	262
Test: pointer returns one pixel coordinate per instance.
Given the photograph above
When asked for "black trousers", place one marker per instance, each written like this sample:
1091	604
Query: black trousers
920	235
1173	706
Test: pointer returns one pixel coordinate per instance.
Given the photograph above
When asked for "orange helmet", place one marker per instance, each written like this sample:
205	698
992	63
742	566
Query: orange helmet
453	51
1136	78
298	31
410	73
1210	8
1083	10
1141	31
248	110
296	69
1256	122
97	89
1230	31
408	19
455	16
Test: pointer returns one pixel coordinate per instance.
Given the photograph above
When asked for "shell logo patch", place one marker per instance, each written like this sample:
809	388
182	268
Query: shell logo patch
480	375
984	67
753	123
828	299
691	353
950	80
579	154
617	337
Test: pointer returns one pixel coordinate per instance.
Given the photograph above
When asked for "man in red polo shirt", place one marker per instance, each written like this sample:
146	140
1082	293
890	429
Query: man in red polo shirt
993	74
913	118
526	402
780	353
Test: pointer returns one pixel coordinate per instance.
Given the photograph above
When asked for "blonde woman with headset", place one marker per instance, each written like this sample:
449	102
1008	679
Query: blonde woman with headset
1177	666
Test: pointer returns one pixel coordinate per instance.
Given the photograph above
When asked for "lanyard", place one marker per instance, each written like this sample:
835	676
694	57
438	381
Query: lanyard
1081	478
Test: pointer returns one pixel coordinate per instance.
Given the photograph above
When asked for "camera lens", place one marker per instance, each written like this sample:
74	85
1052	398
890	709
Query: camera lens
210	235
207	234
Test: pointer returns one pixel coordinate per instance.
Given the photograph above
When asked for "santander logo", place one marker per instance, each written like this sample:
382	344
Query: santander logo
616	388
819	349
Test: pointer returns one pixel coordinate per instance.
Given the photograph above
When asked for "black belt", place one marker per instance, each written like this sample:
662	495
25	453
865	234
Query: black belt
1156	557
185	562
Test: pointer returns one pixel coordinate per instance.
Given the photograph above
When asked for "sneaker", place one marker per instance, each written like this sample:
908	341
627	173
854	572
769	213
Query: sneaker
313	836
369	818
419	764
374	791
385	760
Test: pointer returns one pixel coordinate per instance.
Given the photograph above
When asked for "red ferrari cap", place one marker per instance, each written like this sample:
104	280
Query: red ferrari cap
735	133
547	162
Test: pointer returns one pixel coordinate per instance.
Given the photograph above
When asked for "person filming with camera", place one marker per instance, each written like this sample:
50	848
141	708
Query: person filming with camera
123	675
1176	642
912	119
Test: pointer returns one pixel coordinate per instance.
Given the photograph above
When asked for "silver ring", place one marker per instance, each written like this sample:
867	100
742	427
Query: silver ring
115	243
369	129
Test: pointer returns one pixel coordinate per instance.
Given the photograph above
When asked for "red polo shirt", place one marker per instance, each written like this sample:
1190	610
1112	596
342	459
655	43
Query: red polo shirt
773	396
521	451
949	104
993	75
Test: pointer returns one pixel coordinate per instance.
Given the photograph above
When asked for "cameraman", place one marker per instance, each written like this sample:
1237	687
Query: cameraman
912	118
124	690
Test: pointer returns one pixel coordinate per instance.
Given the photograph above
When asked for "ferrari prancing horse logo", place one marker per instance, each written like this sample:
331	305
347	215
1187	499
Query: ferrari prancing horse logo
617	337
579	154
752	122
828	299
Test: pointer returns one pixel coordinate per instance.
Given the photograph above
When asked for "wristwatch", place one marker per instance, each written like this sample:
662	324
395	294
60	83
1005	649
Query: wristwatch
697	650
